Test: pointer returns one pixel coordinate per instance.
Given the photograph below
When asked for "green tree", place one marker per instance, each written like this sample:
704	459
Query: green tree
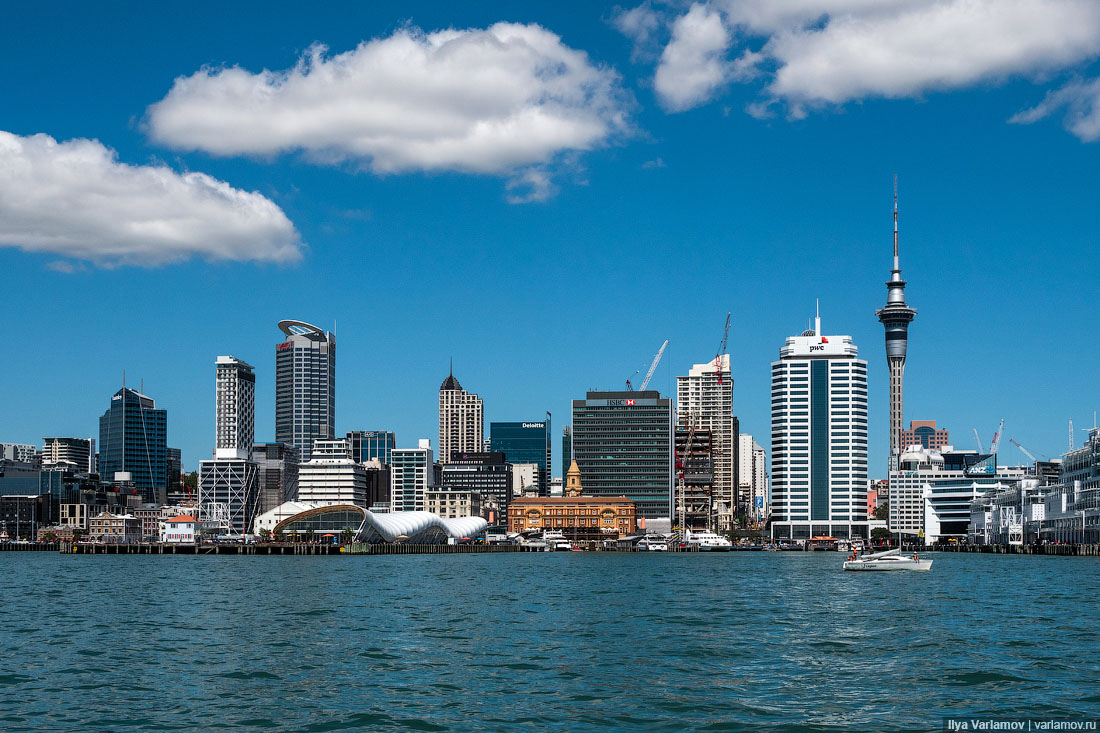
191	481
346	535
278	534
880	533
882	511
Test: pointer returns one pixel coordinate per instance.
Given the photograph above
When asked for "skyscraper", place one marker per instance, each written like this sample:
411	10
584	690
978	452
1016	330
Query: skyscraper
412	473
368	444
228	483
622	442
705	399
895	317
234	408
461	420
305	386
819	438
525	442
133	439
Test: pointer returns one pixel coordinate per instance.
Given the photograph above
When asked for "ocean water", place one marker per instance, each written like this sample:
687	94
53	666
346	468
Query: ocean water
562	642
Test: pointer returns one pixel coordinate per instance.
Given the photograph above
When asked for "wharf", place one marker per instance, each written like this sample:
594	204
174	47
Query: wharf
1069	550
157	548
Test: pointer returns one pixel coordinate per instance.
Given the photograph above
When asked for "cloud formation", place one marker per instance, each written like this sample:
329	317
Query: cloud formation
692	65
1080	99
497	101
827	52
77	200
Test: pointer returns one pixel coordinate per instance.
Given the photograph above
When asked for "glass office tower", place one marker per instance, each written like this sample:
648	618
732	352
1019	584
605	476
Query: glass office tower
524	442
133	438
305	386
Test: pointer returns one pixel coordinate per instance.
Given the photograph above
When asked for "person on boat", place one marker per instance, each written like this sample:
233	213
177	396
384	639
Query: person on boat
915	558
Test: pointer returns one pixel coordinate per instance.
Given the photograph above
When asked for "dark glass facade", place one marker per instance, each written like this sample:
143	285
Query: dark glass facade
133	437
524	442
623	446
368	444
175	468
489	474
305	390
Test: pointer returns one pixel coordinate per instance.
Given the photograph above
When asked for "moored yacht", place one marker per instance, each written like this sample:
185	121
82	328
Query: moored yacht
708	541
652	543
556	542
889	560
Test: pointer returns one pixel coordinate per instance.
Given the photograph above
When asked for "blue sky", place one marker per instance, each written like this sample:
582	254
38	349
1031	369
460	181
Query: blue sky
545	203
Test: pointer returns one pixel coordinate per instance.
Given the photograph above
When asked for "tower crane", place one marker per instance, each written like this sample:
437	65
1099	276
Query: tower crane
979	440
997	437
653	366
1025	450
722	348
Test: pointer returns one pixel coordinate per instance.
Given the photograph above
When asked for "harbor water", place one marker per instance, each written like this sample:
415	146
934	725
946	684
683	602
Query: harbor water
551	641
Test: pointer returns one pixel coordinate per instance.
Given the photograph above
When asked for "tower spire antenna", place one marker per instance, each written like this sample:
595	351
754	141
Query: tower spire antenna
817	318
897	265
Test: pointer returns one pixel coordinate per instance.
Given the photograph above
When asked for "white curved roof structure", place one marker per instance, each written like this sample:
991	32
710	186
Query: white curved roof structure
417	527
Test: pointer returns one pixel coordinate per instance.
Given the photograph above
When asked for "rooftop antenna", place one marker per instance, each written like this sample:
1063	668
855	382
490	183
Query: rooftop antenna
897	268
817	319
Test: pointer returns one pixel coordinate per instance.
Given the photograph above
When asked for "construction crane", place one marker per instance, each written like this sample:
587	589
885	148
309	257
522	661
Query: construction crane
1025	450
653	366
980	449
722	348
997	437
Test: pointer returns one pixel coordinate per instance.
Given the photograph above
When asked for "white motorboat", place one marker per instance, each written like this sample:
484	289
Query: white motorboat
889	560
556	542
652	544
709	541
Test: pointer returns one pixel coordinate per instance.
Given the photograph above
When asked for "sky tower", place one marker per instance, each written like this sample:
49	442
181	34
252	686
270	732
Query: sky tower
895	318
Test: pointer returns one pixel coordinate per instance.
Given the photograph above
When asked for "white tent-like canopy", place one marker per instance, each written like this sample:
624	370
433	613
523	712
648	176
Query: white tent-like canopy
418	527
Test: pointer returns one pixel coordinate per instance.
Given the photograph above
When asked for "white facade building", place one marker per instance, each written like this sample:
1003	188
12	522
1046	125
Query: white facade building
179	529
234	408
77	454
705	399
525	479
21	452
819	438
331	476
461	421
412	473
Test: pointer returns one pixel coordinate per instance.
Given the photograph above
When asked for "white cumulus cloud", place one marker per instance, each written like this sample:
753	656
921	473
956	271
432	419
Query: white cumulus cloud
1081	101
77	200
496	101
693	63
828	52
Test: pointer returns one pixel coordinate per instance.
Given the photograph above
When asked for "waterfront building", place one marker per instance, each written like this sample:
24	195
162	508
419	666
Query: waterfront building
580	518
819	438
487	474
73	454
341	521
705	398
895	317
331	476
179	529
272	517
525	442
277	474
461	420
150	517
451	504
925	434
525	479
557	486
228	494
22	514
622	442
369	444
412	473
234	408
133	444
119	529
305	386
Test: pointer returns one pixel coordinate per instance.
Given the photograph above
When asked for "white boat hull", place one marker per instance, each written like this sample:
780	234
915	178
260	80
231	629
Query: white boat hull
879	566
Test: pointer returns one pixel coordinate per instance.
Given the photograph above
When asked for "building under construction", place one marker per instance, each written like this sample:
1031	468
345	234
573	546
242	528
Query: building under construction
695	501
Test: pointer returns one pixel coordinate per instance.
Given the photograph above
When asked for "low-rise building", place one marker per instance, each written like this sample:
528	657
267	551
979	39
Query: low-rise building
453	504
579	518
179	529
115	528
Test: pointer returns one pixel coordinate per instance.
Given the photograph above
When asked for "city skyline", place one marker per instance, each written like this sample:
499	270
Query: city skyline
754	215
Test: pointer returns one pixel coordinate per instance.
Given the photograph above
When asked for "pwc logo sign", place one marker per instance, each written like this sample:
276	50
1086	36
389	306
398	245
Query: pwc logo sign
820	346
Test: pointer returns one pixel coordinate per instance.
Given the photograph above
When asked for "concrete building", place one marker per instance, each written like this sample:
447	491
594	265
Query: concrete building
705	398
133	444
75	454
117	529
696	506
895	317
925	434
461	420
525	479
305	386
332	477
580	518
524	443
622	442
277	474
234	408
819	438
412	473
486	474
19	452
452	504
752	471
369	444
